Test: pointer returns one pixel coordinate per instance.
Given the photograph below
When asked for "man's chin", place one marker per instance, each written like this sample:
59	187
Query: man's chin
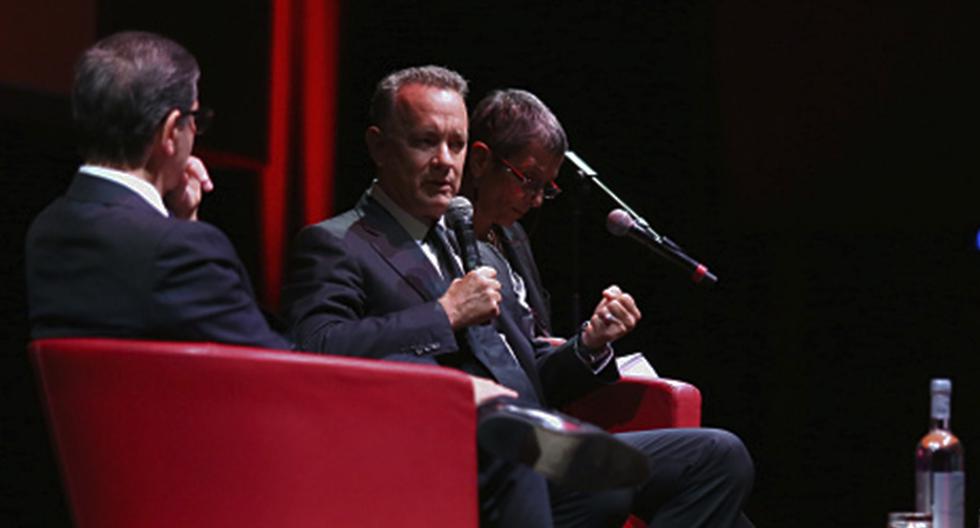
435	206
513	218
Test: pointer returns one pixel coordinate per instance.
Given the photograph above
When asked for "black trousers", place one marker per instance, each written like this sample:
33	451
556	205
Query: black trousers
699	478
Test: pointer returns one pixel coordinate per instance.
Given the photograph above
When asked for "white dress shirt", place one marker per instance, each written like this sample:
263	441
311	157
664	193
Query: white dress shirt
138	185
415	227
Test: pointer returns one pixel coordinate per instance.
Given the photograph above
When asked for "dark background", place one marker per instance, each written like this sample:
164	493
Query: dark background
820	158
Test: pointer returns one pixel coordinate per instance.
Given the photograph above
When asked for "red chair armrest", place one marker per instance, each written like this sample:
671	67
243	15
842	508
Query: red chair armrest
637	403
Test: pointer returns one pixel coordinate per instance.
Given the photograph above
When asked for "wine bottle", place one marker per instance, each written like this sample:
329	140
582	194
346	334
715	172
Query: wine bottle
939	478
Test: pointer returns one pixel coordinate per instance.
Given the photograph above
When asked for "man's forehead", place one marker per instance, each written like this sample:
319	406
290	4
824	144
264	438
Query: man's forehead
414	102
419	90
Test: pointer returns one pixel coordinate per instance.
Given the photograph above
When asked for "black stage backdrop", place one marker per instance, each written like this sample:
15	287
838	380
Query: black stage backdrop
820	158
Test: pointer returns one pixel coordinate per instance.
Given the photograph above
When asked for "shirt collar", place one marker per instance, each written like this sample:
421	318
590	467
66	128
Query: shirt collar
416	228
138	185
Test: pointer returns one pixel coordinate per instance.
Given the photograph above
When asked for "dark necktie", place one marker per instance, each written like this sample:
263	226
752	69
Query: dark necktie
485	343
448	265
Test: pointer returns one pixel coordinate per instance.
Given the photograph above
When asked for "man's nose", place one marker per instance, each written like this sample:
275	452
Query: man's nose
443	155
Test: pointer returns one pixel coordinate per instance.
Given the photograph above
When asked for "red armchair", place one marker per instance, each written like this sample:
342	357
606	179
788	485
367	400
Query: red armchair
199	434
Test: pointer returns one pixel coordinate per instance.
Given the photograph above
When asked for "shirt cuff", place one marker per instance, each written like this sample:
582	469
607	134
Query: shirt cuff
594	359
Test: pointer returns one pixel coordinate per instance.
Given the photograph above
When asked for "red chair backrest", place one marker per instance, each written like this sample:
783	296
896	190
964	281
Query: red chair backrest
198	434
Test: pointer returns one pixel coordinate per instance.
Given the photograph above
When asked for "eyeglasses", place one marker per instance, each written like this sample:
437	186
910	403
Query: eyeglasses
548	189
202	118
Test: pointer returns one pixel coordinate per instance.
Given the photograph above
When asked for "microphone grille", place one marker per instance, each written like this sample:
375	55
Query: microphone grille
460	209
619	222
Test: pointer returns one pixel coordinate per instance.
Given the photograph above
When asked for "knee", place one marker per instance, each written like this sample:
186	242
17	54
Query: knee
731	457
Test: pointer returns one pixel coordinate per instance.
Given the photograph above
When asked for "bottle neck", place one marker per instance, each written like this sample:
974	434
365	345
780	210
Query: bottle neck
939	417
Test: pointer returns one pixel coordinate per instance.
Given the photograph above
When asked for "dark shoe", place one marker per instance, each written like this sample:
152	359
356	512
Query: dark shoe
570	453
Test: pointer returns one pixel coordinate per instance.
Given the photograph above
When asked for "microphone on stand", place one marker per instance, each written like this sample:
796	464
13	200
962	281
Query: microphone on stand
459	218
621	223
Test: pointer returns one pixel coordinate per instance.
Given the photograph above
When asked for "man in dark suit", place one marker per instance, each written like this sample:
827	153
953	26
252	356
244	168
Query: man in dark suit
380	281
122	254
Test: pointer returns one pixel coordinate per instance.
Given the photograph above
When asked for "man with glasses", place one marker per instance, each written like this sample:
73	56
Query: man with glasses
517	146
514	124
122	254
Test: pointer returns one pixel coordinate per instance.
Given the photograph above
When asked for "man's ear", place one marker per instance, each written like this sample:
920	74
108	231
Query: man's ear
479	158
375	140
167	140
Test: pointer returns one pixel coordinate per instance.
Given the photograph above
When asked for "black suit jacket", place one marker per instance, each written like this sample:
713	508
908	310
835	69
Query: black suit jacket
359	285
103	262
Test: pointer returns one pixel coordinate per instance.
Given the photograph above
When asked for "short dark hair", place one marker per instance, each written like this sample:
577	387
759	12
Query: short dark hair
510	120
124	87
383	100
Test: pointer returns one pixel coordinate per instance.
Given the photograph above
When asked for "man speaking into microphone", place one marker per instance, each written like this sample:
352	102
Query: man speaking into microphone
383	280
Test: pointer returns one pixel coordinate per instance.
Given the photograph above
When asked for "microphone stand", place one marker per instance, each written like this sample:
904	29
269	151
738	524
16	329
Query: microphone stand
578	197
662	244
586	173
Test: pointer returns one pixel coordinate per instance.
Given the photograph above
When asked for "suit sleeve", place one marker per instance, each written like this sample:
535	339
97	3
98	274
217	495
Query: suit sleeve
201	291
340	298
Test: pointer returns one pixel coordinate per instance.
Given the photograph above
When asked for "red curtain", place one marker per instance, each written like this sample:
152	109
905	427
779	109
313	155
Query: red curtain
302	103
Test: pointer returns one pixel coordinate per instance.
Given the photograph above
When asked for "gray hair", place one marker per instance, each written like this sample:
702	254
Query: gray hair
383	100
124	86
510	120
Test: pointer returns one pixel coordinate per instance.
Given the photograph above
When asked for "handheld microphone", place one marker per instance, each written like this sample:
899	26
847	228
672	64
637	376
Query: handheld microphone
620	223
459	218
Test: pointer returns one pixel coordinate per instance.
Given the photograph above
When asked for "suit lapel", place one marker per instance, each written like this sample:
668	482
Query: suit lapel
390	240
518	253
